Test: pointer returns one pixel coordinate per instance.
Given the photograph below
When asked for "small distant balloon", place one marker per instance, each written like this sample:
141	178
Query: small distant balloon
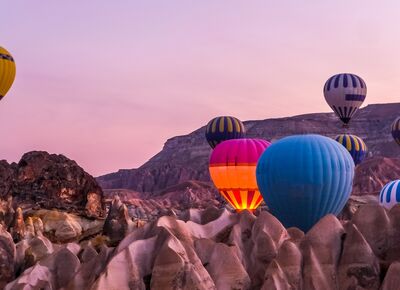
305	177
345	93
7	71
233	171
224	128
390	194
396	130
355	145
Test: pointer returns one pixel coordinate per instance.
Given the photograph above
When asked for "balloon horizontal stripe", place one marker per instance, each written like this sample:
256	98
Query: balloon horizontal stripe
345	93
238	188
6	57
353	97
244	164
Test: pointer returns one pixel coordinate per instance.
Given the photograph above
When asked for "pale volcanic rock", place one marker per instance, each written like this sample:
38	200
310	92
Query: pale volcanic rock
38	248
374	224
178	267
92	267
223	265
267	236
275	278
230	251
52	272
321	249
290	261
359	267
64	227
240	236
7	257
29	228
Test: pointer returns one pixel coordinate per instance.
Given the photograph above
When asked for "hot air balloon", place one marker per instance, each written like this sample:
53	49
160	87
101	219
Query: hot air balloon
224	128
396	130
390	194
233	171
345	93
355	145
305	177
7	71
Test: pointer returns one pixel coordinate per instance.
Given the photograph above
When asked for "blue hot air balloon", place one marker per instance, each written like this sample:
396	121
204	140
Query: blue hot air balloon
355	145
304	177
390	194
224	128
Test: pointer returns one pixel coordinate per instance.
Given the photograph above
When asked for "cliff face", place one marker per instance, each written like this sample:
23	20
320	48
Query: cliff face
185	158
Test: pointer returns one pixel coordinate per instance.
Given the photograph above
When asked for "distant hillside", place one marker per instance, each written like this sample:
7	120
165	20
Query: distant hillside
185	158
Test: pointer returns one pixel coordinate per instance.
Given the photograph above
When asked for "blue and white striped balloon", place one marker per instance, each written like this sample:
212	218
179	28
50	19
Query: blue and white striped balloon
390	194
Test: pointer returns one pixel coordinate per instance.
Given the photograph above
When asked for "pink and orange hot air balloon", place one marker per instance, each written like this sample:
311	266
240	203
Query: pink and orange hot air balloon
233	171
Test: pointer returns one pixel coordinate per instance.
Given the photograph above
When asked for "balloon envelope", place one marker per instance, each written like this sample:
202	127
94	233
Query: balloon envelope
396	130
224	128
355	145
304	177
233	171
7	71
345	93
390	194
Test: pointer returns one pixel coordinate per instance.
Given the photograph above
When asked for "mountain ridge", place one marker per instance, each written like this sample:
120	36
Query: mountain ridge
185	157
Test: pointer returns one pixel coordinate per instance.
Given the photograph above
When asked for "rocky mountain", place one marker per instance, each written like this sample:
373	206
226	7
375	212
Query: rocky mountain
185	158
48	181
213	249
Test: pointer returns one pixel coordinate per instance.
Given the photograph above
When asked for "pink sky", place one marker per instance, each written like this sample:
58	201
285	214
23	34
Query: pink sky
107	82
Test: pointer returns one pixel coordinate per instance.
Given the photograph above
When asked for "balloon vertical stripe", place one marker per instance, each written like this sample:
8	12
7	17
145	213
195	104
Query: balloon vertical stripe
390	194
304	177
223	128
355	145
343	98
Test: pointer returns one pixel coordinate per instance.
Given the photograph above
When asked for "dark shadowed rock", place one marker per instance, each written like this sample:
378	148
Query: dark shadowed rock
7	257
17	227
118	223
54	181
392	278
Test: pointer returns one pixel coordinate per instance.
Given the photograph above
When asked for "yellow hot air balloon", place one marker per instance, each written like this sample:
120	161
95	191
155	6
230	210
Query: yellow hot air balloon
7	71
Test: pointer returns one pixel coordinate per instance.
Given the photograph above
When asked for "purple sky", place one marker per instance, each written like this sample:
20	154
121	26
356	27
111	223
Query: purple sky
107	82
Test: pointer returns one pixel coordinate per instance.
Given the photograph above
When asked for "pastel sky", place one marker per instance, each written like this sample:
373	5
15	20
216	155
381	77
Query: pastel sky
108	82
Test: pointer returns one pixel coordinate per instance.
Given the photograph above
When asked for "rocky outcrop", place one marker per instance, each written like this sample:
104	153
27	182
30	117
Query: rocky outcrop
50	181
186	157
374	173
63	227
118	223
7	257
229	251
